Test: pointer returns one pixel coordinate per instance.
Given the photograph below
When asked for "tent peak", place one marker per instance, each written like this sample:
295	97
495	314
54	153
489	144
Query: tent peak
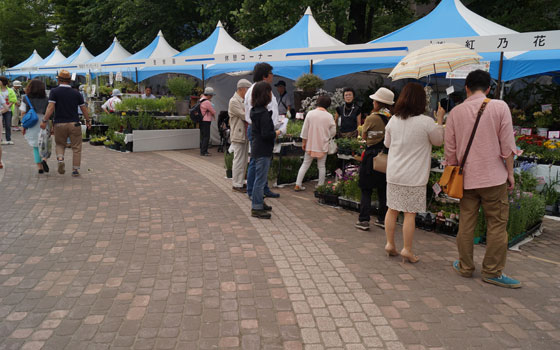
160	33
219	25
35	51
308	11
82	44
115	40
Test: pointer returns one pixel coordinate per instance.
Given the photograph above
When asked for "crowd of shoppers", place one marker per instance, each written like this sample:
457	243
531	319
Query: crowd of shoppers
401	130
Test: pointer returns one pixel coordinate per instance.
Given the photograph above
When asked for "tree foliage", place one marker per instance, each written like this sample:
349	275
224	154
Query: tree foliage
41	24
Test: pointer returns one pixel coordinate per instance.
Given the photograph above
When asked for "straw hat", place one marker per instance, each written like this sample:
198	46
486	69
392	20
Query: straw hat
384	95
64	75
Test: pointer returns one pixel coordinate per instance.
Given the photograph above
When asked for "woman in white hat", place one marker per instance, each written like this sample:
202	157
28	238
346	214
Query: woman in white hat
373	131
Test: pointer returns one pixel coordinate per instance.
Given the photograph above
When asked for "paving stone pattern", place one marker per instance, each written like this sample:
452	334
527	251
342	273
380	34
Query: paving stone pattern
154	251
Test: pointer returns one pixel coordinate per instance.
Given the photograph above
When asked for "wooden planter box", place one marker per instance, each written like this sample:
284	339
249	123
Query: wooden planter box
164	140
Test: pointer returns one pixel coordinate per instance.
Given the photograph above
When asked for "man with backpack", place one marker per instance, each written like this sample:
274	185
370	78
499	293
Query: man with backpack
208	114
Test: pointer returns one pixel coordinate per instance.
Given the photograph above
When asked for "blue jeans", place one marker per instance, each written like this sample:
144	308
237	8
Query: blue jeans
251	171
261	179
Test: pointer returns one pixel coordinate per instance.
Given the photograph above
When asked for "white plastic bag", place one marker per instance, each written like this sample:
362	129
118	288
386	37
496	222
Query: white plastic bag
45	143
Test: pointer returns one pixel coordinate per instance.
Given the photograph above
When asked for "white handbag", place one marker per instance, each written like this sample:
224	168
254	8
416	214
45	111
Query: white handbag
332	147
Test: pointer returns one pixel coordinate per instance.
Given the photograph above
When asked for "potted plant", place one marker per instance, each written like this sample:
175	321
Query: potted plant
543	121
328	193
307	85
181	88
228	160
550	197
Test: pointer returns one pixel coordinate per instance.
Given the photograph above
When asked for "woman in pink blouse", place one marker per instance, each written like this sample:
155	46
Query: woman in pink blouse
319	127
209	114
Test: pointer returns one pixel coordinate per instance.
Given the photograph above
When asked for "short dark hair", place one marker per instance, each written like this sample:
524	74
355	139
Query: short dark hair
261	71
478	80
261	95
324	101
148	87
346	89
411	102
35	89
4	80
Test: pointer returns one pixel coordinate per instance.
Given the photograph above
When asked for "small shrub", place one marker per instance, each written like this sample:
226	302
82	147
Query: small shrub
309	82
181	87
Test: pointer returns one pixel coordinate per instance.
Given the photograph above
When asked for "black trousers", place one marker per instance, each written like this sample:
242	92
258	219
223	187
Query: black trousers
204	136
365	203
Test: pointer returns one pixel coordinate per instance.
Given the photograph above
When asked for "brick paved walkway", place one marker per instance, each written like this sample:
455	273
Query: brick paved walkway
154	251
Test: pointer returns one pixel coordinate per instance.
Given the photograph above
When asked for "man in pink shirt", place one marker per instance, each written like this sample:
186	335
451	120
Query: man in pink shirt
488	175
209	114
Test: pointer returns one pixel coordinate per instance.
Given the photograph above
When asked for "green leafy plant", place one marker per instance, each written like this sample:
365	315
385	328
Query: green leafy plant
309	82
294	127
119	138
330	188
549	193
228	160
113	121
181	87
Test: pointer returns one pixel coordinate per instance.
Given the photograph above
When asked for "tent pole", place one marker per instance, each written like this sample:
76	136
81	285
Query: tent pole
203	84
311	67
437	89
498	92
137	82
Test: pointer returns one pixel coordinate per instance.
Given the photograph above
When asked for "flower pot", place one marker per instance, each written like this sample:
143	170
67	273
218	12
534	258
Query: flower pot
229	173
328	199
182	107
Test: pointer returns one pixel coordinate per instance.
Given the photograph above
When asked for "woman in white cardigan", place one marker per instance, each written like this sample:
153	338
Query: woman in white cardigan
409	135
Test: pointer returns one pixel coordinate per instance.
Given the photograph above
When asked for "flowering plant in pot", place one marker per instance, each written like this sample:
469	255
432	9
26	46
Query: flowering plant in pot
328	193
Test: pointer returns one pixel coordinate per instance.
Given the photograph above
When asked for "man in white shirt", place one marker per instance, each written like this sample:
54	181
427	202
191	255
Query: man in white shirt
148	93
261	72
109	105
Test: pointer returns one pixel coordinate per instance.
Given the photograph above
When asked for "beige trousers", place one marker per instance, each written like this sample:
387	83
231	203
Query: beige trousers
494	201
61	133
240	157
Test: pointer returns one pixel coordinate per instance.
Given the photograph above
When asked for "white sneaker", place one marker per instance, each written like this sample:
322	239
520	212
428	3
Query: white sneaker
10	143
4	142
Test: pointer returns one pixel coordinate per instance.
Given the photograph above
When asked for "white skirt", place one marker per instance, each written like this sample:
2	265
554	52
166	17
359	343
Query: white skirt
408	199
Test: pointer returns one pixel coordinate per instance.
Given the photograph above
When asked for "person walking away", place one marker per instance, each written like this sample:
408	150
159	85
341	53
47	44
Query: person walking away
261	72
285	101
409	135
373	132
110	105
16	117
239	140
64	102
348	116
318	129
9	100
263	136
148	93
488	175
209	114
36	98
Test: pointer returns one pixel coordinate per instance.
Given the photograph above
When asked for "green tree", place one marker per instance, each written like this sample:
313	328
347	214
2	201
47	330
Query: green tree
25	26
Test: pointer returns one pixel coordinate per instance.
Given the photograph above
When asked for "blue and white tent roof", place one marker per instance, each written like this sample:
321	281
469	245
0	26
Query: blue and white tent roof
218	42
450	19
158	48
115	52
305	33
31	61
54	58
81	55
